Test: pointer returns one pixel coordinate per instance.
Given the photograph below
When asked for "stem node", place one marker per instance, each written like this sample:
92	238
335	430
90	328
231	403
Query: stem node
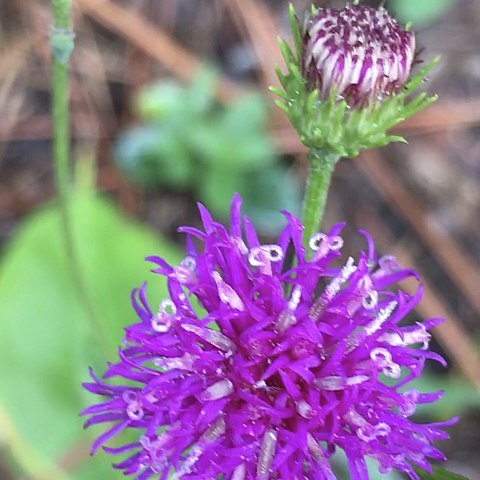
62	41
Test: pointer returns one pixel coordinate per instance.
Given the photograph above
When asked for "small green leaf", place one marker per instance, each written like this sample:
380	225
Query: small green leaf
200	95
159	101
236	139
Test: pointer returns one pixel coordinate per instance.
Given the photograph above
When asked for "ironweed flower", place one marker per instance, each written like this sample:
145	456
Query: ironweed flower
360	52
284	365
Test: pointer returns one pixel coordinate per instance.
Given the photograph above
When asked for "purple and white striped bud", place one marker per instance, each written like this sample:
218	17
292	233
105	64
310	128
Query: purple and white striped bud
348	79
360	53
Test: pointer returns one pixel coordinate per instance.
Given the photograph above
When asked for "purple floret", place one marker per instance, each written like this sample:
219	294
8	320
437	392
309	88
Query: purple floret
260	365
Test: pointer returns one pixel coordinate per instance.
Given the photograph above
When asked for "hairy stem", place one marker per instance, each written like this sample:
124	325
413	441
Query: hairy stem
321	168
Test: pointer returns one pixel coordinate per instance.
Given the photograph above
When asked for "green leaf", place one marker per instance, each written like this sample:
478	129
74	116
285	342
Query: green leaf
266	193
285	50
246	115
168	99
420	12
439	474
150	155
236	139
160	101
200	95
98	467
216	188
47	342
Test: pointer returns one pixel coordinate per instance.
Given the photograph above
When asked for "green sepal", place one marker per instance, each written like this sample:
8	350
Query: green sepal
331	124
297	37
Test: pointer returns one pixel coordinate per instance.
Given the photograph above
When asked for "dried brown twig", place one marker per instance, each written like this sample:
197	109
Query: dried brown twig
458	264
260	28
146	36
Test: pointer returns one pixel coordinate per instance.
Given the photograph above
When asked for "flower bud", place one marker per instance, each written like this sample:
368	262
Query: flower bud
360	52
349	79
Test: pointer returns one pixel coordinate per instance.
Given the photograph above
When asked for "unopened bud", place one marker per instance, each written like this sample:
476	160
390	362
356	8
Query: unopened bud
349	79
359	52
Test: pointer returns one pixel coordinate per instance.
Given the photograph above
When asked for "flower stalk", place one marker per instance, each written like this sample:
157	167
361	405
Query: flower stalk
62	44
320	172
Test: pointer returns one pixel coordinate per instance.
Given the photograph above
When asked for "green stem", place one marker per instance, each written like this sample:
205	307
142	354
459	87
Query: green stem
62	41
321	168
62	14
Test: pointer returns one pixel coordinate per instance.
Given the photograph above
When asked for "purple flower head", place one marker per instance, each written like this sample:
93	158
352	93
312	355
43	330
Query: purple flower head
265	360
359	51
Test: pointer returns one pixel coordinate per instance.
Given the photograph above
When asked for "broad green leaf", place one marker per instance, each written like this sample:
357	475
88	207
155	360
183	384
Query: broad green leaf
98	467
46	341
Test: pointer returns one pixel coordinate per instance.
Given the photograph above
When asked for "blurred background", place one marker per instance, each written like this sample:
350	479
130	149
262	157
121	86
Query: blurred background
170	106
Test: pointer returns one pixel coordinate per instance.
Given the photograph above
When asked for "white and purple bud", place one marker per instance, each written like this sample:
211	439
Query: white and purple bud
349	79
358	52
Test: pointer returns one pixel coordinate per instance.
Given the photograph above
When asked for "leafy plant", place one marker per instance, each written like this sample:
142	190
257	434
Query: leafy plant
187	140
